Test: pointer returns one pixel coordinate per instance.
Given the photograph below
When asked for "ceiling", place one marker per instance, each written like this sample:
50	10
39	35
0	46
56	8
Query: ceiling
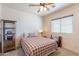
33	9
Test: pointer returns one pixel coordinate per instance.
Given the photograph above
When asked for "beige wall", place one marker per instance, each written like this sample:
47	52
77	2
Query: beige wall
70	41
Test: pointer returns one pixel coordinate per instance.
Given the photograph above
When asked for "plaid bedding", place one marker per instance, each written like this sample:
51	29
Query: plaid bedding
38	46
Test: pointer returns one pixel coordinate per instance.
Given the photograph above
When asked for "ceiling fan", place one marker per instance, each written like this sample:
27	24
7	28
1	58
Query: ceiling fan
43	6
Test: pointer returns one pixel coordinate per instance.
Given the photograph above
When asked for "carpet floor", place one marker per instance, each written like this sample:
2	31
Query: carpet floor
60	52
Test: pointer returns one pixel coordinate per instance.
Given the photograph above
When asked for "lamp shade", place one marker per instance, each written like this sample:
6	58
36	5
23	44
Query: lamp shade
40	31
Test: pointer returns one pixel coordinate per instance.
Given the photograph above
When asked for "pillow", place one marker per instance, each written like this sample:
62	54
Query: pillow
30	34
33	34
55	37
36	34
24	35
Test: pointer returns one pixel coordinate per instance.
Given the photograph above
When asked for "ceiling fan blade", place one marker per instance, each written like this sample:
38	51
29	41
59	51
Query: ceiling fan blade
38	10
49	3
53	6
34	5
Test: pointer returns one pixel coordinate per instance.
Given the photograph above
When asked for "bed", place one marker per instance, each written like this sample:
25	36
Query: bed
38	46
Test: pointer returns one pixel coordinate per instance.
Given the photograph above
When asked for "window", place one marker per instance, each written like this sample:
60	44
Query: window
63	25
66	25
55	26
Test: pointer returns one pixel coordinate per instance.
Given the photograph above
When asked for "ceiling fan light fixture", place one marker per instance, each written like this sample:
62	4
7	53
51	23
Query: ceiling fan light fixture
41	8
45	9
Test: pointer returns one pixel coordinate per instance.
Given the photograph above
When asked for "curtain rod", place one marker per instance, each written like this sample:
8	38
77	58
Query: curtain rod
62	17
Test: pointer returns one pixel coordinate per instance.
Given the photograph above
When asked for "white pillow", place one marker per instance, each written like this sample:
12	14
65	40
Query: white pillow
24	35
55	37
33	34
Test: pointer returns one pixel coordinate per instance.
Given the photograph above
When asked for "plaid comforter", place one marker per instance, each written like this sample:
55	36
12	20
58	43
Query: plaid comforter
38	46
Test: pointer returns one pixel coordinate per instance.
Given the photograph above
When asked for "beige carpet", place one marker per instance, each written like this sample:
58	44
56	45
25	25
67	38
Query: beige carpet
60	52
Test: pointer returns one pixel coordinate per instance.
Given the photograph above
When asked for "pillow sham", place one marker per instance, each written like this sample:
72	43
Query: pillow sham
33	34
55	37
24	35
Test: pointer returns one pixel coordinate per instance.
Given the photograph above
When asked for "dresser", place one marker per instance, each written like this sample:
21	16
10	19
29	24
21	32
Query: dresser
0	47
8	32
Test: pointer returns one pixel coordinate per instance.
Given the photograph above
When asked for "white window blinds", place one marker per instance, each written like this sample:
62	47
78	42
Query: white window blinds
66	25
55	26
63	25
